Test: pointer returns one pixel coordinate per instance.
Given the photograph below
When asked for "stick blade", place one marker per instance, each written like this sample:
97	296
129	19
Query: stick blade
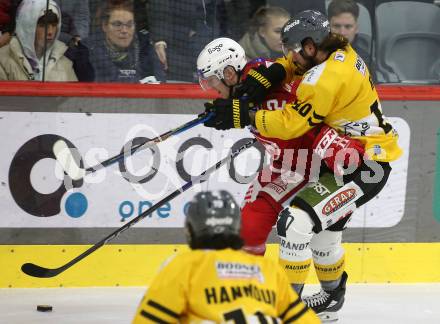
65	158
34	270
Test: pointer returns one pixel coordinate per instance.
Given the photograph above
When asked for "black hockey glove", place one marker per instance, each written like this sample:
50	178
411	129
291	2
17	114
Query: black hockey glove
259	81
229	113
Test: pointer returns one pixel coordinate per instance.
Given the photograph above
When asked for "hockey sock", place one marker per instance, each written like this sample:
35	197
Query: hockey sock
296	271
330	272
298	288
330	285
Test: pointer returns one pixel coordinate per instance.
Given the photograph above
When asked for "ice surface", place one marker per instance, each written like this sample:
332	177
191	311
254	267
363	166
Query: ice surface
365	303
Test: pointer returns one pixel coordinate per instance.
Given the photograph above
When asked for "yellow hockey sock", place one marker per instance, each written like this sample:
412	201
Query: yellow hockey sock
328	272
297	271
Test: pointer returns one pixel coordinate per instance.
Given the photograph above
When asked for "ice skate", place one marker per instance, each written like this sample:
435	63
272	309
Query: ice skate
326	303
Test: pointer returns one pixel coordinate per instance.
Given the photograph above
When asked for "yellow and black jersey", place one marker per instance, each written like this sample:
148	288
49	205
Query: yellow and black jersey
219	286
340	93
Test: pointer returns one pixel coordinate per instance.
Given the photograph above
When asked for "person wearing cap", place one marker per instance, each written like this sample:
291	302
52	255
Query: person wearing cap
216	282
35	53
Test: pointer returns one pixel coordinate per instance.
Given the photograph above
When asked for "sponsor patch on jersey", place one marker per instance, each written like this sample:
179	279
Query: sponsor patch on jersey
360	65
325	142
293	246
339	56
339	200
277	188
236	270
320	189
377	149
312	76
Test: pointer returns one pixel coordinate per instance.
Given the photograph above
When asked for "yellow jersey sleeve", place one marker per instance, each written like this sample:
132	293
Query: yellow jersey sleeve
165	299
339	92
315	96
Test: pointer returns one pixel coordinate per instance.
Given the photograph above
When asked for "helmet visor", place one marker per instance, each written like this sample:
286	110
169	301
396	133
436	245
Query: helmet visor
211	82
295	47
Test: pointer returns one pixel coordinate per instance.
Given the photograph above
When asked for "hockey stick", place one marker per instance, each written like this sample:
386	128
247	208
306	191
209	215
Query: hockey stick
65	156
35	270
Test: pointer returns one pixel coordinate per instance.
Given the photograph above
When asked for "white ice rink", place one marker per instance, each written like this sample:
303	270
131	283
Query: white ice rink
365	303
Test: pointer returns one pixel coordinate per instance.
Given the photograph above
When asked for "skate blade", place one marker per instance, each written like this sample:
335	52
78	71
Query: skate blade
328	317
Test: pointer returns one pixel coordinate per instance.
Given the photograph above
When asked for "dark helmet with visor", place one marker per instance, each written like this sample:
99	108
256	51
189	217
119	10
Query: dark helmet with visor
306	24
213	212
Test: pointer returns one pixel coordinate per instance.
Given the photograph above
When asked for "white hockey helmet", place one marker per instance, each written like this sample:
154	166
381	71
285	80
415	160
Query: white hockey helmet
215	57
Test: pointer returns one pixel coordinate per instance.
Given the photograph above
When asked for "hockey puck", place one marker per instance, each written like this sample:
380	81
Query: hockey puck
44	308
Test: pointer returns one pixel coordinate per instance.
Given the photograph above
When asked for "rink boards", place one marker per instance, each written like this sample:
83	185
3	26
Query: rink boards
136	265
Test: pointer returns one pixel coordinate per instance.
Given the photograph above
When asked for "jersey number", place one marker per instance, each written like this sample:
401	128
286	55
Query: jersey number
238	317
275	104
302	109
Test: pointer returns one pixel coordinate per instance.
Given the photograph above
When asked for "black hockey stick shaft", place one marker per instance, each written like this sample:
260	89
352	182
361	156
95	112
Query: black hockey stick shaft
35	270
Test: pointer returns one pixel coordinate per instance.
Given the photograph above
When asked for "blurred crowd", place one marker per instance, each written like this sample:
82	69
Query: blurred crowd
158	40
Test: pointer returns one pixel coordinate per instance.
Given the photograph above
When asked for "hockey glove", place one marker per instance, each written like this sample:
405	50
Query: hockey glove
338	151
229	113
259	81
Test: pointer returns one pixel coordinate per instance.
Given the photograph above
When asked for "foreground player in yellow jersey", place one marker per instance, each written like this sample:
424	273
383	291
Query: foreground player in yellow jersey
216	282
335	89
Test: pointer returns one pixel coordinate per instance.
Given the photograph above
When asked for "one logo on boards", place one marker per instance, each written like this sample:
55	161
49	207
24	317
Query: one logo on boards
38	204
23	190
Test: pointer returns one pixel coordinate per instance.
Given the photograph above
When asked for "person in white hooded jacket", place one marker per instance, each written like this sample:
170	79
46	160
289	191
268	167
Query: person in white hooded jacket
36	45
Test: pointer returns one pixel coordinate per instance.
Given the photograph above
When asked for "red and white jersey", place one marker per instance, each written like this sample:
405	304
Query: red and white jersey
277	148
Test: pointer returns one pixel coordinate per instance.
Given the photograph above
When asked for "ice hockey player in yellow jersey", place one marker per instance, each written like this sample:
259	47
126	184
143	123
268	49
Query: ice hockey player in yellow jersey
216	282
336	89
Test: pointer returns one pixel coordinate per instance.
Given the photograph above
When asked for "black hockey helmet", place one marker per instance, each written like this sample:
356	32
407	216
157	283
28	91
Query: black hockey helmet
306	24
213	212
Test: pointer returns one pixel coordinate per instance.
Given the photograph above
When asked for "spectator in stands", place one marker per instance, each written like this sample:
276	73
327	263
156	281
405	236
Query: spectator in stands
343	16
75	20
5	35
117	52
139	9
180	29
238	13
141	14
264	36
7	20
296	6
36	45
74	27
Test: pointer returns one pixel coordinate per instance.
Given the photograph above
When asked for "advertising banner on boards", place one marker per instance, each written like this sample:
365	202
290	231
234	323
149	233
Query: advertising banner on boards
33	187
